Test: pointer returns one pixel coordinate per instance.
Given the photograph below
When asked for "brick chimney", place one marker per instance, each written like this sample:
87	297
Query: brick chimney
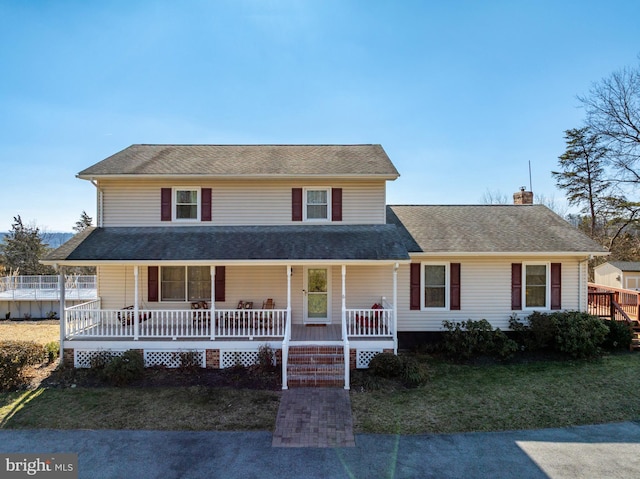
523	197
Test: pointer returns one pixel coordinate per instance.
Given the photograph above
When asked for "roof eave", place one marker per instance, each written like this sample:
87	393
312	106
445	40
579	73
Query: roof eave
269	176
507	253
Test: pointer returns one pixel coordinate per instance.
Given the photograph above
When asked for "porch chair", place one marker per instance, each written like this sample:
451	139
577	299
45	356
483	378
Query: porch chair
200	313
266	319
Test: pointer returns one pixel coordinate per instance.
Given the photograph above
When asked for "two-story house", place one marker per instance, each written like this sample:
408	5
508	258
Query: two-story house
217	250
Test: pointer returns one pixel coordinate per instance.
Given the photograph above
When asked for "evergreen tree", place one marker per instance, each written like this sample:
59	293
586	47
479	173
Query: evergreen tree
22	249
83	223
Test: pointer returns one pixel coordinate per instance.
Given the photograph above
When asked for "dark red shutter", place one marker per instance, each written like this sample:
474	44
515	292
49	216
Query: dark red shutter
152	284
165	204
205	212
454	286
220	283
296	204
516	286
414	286
556	290
336	204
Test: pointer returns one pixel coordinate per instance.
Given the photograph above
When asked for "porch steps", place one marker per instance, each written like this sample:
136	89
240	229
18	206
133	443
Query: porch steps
315	366
635	338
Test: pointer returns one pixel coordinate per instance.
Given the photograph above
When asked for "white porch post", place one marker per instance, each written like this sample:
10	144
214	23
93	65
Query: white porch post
212	306
287	332
345	337
136	306
395	308
63	313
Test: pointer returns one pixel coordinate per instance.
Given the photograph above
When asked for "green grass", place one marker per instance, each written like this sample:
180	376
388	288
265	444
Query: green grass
193	408
536	395
456	398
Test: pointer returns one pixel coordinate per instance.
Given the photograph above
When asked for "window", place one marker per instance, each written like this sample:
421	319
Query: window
185	283
186	204
317	203
435	285
535	279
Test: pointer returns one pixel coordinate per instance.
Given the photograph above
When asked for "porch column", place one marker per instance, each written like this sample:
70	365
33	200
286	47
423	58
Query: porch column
136	307
395	308
63	313
212	306
345	338
288	319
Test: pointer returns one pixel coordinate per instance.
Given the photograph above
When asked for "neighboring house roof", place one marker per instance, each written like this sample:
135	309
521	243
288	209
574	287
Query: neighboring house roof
194	243
630	266
488	229
246	161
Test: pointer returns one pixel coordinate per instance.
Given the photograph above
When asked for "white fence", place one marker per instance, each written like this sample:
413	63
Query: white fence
45	287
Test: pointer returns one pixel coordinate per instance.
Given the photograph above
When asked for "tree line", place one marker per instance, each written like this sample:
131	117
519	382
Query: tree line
24	246
600	168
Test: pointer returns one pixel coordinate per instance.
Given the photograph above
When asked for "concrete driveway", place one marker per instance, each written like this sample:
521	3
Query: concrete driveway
611	450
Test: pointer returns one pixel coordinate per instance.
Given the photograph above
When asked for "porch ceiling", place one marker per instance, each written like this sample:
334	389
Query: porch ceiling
234	243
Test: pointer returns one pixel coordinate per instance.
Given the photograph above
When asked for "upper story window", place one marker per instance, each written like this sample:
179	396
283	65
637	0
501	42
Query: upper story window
435	280
317	206
187	204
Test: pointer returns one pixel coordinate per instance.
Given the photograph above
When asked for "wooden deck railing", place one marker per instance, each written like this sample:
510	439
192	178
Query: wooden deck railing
615	303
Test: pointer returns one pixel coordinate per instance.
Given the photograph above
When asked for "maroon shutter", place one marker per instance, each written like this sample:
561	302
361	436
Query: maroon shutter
205	212
165	204
336	204
296	204
556	291
454	286
152	284
516	286
414	286
220	283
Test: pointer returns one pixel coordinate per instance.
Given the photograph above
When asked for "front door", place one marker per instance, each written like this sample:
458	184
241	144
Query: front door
317	298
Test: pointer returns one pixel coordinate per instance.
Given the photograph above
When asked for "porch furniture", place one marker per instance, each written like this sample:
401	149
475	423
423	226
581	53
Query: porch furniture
201	315
125	316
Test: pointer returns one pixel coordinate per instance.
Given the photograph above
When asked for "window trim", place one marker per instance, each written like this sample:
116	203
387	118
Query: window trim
186	284
174	203
327	189
547	293
447	285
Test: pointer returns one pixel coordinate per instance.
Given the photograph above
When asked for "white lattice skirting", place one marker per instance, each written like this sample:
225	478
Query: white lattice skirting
229	359
363	357
168	359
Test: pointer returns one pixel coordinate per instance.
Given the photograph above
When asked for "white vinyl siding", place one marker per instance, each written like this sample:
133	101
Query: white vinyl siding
259	202
485	286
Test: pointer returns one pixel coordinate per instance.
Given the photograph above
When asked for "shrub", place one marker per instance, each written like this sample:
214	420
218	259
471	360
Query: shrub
618	337
52	315
189	360
577	334
15	357
121	370
266	358
470	338
52	349
413	372
386	365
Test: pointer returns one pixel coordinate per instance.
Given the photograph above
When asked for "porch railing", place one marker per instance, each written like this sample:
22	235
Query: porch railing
369	322
88	320
604	299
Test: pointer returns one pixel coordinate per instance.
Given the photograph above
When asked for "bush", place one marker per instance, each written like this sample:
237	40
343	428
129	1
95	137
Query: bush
470	338
577	334
189	361
413	372
121	370
15	357
266	358
52	350
618	337
386	365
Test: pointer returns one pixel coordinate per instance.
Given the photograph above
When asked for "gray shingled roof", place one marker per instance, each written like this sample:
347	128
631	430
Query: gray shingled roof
247	161
218	243
488	229
626	265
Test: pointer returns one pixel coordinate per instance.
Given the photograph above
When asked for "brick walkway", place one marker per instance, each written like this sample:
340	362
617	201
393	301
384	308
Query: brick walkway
314	417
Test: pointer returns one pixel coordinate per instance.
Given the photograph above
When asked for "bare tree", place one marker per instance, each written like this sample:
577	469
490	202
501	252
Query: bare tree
495	198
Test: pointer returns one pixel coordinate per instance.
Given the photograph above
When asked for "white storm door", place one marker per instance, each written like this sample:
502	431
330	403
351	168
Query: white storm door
317	301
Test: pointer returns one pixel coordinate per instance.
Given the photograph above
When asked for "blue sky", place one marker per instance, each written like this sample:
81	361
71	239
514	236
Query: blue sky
461	94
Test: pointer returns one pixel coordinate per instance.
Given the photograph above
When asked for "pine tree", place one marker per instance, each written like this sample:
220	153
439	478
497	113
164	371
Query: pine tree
22	249
83	223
